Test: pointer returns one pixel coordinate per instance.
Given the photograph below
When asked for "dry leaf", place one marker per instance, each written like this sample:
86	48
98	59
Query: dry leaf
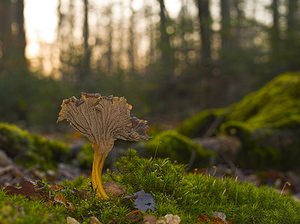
135	216
71	220
26	188
113	189
94	220
56	187
172	219
59	198
220	215
203	219
149	219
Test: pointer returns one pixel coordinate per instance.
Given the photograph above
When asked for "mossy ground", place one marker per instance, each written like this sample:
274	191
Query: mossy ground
177	147
30	149
267	122
175	192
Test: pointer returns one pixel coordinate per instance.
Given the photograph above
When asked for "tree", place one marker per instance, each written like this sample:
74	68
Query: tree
86	60
226	32
165	42
205	31
205	41
132	46
12	34
292	35
5	32
275	42
20	41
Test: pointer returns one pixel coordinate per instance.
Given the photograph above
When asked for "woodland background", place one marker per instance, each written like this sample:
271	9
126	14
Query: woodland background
209	55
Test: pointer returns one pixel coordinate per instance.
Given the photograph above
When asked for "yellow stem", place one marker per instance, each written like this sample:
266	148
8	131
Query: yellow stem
97	172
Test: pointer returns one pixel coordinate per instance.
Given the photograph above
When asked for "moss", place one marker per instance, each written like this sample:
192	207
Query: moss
190	195
197	125
276	105
30	150
13	140
266	121
20	210
46	153
85	156
171	144
175	192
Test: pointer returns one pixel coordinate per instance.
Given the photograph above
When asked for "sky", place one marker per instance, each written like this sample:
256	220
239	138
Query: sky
41	21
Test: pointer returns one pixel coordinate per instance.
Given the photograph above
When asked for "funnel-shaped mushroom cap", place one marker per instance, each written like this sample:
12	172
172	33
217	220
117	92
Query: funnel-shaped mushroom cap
103	119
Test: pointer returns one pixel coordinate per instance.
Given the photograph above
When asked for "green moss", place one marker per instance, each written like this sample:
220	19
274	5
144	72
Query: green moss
171	144
267	122
197	125
276	105
85	156
31	150
175	192
14	140
20	210
190	195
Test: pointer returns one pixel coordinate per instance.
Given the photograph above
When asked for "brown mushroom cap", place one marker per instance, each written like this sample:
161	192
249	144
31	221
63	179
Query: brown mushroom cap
103	119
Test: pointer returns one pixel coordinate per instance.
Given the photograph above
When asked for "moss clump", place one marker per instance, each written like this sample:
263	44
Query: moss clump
190	195
197	125
177	147
85	156
20	210
14	140
276	105
29	150
175	192
267	122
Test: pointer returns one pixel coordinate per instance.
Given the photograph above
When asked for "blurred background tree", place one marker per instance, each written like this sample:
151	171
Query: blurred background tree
168	63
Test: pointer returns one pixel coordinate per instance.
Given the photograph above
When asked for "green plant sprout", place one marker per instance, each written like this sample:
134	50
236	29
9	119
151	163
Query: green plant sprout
102	120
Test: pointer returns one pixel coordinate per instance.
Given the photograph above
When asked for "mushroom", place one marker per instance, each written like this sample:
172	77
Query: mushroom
102	119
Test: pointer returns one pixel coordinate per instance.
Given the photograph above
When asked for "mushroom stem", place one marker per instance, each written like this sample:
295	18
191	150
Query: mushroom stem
97	172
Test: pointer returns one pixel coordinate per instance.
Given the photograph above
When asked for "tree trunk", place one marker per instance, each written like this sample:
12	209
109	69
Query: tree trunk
86	64
20	37
205	30
132	47
110	30
275	26
5	32
205	41
165	44
292	37
225	28
275	42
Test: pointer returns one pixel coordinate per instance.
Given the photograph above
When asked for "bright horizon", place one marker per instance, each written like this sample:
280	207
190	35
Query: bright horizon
41	22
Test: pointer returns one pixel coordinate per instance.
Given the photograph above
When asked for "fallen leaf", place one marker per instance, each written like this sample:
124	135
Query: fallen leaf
144	201
220	215
26	188
203	219
172	219
94	220
149	219
134	216
113	189
71	220
218	218
59	198
56	187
